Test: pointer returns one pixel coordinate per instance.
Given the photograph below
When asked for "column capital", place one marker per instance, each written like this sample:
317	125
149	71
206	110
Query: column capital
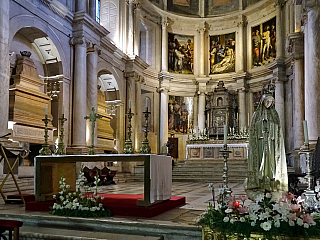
77	41
164	76
93	48
243	22
202	82
295	45
279	3
134	75
164	22
137	5
201	30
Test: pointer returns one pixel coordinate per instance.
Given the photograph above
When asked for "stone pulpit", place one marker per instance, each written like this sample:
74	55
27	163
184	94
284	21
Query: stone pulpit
221	109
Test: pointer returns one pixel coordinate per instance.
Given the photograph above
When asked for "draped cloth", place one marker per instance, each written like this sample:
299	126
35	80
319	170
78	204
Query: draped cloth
267	167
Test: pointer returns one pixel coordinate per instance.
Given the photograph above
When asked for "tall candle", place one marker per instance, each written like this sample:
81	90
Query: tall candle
129	103
226	118
305	129
46	111
248	119
146	102
225	130
62	111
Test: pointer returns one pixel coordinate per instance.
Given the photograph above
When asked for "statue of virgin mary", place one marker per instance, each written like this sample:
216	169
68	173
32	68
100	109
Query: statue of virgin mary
267	168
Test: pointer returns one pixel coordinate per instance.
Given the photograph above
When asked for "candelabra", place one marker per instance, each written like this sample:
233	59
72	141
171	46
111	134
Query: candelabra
145	148
128	143
45	150
60	150
226	190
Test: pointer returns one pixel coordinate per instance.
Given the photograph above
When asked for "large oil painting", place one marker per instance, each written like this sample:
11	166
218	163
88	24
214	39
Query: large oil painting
264	43
180	53
222	53
180	114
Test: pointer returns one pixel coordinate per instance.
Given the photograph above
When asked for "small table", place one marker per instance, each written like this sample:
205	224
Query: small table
157	174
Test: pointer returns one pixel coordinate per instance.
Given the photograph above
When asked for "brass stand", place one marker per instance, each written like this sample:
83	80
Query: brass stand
128	143
92	118
45	150
226	190
60	150
145	148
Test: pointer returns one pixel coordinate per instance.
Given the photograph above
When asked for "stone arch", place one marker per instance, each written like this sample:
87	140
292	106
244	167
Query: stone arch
26	21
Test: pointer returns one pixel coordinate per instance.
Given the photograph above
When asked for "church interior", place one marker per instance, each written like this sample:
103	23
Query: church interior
180	79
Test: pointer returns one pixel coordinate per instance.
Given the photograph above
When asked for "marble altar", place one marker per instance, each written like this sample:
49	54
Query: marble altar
157	174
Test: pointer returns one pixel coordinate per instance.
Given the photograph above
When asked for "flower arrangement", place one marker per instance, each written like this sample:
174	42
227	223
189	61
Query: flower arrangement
267	215
78	204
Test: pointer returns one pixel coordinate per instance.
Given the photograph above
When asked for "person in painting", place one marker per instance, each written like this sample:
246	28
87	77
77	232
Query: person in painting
267	168
177	115
273	41
220	53
227	63
189	54
171	57
171	117
179	57
213	52
266	43
256	42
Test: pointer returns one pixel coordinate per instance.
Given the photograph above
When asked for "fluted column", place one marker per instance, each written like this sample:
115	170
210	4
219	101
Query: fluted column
296	50
164	81
4	66
80	93
312	84
164	44
202	45
92	91
138	116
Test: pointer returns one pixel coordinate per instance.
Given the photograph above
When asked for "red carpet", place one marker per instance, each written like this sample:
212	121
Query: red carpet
122	205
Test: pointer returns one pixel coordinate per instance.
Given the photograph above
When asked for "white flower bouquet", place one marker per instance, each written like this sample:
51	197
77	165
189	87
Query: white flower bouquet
78	204
266	215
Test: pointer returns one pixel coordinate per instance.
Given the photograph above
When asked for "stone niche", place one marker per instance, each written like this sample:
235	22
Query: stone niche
28	103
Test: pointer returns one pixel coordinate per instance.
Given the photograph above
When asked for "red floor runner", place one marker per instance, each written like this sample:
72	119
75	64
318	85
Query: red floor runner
122	205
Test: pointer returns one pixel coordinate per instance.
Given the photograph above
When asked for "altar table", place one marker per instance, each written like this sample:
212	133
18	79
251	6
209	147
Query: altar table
157	174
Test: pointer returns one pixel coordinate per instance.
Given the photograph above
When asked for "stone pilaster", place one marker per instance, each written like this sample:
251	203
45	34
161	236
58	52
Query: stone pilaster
92	90
80	93
81	6
280	21
201	65
202	102
240	42
131	26
279	77
92	8
312	59
4	66
164	45
164	81
295	48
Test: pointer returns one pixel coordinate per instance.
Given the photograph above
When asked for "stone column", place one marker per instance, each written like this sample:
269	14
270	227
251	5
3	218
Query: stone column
92	9
164	80
164	45
92	91
138	114
202	47
296	50
79	93
131	23
4	66
195	112
312	84
81	6
202	102
131	96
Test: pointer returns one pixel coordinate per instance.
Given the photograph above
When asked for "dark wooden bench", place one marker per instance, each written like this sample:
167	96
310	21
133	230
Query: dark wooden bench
11	226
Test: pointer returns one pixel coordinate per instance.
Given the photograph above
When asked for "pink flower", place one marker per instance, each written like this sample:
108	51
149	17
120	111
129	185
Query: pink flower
243	210
308	219
295	207
289	196
292	216
232	199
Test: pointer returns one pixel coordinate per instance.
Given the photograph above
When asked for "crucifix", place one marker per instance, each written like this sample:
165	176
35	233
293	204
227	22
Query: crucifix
92	118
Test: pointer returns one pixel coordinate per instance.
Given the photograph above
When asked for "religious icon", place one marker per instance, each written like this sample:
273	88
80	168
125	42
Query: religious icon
222	53
264	43
180	53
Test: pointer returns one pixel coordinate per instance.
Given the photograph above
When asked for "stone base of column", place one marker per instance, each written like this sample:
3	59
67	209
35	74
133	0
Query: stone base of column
77	150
